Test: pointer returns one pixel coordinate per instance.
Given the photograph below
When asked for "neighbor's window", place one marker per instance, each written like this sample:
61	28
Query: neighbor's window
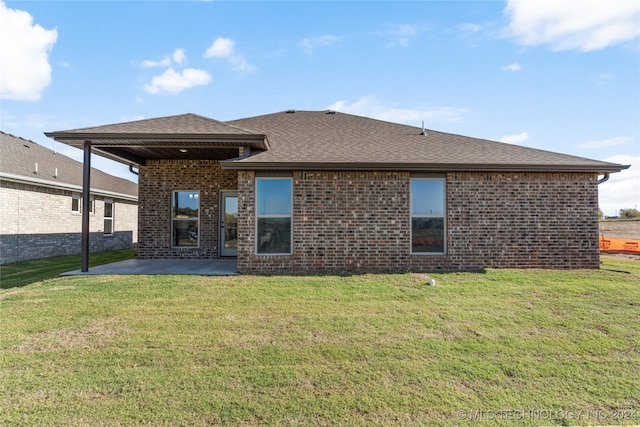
185	218
108	217
273	216
76	203
427	215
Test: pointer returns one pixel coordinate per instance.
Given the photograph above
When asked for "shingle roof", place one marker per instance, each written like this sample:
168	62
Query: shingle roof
19	158
184	124
329	140
317	140
187	136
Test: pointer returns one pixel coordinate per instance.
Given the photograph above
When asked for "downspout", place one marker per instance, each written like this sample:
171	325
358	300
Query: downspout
132	171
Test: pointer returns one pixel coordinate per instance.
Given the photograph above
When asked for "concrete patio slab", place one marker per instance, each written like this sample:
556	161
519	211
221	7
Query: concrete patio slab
201	267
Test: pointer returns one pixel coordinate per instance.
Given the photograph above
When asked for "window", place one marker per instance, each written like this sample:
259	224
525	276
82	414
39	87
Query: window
76	203
185	218
427	216
273	216
108	216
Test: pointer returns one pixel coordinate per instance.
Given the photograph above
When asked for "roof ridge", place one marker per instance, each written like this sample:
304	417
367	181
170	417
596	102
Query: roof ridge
188	123
241	128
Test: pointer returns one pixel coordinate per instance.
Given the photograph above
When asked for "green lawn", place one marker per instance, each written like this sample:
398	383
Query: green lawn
24	273
506	346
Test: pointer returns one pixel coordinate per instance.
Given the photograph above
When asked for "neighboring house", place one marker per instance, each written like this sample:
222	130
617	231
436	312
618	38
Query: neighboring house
41	204
300	191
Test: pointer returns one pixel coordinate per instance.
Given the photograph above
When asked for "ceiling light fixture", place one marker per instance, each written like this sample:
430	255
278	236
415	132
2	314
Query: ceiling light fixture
183	150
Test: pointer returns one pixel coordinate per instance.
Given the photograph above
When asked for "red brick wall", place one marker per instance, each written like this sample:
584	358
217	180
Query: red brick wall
359	221
523	220
156	181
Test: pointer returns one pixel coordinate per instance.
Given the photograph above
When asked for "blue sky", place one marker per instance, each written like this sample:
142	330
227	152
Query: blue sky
558	75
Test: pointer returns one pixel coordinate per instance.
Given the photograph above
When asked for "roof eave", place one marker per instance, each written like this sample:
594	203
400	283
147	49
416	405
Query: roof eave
64	186
236	164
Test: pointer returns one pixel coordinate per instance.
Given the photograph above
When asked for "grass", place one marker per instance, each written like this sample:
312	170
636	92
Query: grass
22	273
324	350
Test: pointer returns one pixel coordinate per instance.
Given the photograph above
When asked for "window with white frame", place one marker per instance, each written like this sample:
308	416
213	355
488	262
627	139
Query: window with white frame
428	216
274	211
185	218
108	217
76	203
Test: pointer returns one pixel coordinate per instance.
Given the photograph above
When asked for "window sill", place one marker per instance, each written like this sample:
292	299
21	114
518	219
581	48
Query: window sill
257	254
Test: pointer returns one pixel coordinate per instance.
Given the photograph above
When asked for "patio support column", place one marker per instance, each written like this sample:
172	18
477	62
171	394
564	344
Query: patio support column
86	202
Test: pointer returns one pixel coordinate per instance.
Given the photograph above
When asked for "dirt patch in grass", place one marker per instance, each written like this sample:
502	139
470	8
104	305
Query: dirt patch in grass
95	336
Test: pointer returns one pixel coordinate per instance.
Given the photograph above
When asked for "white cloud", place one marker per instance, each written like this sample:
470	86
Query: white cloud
164	62
308	45
518	138
175	82
178	57
573	24
221	48
622	190
606	142
368	106
24	61
512	67
225	48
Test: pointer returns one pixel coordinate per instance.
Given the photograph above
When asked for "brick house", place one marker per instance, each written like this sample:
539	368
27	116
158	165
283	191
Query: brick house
302	191
41	204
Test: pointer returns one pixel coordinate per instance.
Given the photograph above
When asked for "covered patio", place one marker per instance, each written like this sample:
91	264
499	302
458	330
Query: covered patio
198	267
177	138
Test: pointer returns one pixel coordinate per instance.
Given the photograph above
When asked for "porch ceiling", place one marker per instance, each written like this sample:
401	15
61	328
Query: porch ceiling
140	155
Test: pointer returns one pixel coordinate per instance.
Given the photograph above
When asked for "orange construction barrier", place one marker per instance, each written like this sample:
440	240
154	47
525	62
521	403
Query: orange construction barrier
621	245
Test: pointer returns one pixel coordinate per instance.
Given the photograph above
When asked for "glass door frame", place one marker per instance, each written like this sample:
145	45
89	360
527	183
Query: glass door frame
223	250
